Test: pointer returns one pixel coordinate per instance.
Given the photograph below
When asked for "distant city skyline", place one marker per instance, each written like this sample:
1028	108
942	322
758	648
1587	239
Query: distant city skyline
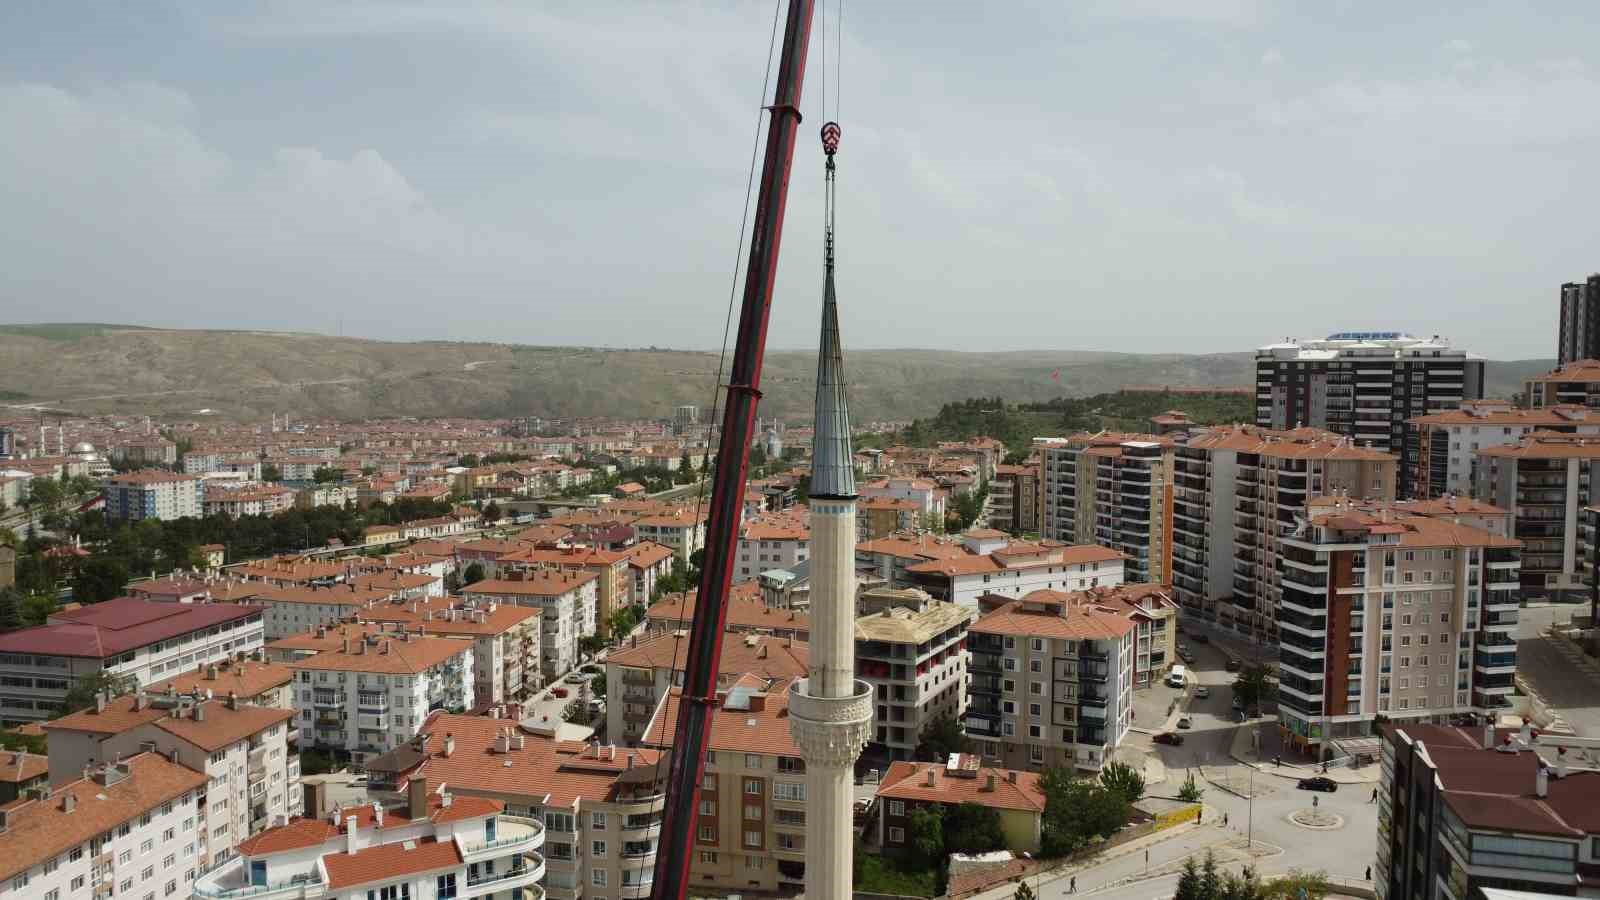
1202	176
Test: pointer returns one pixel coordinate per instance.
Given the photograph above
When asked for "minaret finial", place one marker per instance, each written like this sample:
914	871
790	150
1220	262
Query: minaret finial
832	456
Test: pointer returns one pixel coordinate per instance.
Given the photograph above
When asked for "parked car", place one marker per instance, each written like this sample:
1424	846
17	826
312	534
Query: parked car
1186	656
1318	783
1202	692
559	692
1182	649
863	806
1185	723
575	678
1232	665
1169	737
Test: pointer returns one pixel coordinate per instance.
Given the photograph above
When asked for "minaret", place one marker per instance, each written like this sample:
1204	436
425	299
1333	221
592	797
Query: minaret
830	712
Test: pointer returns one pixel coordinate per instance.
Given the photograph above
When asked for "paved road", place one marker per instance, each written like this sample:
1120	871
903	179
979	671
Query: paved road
1575	694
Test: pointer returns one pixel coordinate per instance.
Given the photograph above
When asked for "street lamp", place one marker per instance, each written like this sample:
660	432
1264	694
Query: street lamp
1250	814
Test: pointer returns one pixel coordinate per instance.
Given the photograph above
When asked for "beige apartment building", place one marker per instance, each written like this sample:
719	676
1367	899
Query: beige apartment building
911	649
641	673
1115	490
505	648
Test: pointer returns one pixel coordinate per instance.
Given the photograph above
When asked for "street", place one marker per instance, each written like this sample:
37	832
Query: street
1570	691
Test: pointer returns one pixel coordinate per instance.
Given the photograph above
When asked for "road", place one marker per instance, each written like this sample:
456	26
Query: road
1573	693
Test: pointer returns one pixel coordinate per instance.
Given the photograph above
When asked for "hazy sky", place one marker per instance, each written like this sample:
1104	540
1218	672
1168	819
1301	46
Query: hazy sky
1193	175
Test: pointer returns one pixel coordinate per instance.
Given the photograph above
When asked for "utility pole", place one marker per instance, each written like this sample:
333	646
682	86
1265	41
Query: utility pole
1250	814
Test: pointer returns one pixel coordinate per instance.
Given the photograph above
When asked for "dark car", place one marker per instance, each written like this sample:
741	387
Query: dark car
1232	665
1201	638
1169	737
1318	783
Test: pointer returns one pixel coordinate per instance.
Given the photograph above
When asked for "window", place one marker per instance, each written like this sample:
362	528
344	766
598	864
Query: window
752	760
752	813
172	888
598	878
752	838
446	886
708	857
897	835
1036	687
77	883
19	882
897	807
75	854
125	857
1035	753
597	820
148	873
1034	710
708	834
146	845
168	861
752	787
709	784
169	834
708	808
785	790
1037	644
52	864
597	849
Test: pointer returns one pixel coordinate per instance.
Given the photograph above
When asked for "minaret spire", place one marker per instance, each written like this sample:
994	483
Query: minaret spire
832	457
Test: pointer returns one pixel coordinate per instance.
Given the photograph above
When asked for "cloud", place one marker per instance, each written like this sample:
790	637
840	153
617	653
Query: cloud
1458	45
1272	57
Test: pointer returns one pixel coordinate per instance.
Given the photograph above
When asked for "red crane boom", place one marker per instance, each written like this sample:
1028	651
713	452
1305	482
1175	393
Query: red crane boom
671	877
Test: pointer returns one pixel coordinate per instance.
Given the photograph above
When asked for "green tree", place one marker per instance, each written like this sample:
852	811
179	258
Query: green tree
1077	812
82	693
973	828
469	460
590	644
10	613
491	512
1210	878
1189	882
1243	886
270	472
327	475
473	574
1124	780
1253	685
1299	884
99	578
1190	792
942	737
1024	891
927	834
35	608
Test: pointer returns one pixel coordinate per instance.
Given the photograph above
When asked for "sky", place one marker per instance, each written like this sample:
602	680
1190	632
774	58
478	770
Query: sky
1130	175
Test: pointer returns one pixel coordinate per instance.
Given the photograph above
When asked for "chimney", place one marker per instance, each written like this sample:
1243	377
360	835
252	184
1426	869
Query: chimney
1541	783
233	700
199	712
69	801
140	701
211	672
502	742
449	745
100	702
377	814
1561	762
1011	777
930	777
350	835
988	782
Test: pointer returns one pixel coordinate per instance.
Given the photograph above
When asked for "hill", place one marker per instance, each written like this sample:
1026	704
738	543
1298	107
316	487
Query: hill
243	374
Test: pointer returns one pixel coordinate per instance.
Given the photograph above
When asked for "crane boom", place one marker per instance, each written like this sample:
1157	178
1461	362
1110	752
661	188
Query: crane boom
671	876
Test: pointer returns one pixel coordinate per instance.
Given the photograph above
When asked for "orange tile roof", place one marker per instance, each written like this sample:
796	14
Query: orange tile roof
247	678
746	610
647	553
1072	618
386	862
392	656
1414	530
1575	371
433	616
768	656
220	727
1293	443
17	766
39	830
537	583
330	638
764	730
909	781
1547	445
1558	414
338	595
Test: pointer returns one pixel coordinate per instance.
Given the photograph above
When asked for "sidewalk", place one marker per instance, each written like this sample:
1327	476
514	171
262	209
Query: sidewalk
1210	818
1242	752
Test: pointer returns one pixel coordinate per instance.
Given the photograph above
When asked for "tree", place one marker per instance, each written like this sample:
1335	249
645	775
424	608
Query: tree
973	828
84	690
1124	780
327	475
1077	812
99	578
270	472
1190	792
473	574
927	834
469	460
1210	878
1024	892
942	737
1189	882
1243	886
1299	884
35	608
590	644
491	512
1252	685
10	614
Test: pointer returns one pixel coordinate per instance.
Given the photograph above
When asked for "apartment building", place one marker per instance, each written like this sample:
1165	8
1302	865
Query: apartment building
1016	796
641	673
294	609
911	649
1017	568
1114	490
648	562
566	601
234	502
431	846
924	492
681	530
1364	385
1442	598
751	830
152	494
1544	480
746	614
1578	334
1051	682
601	805
613	580
1463	812
890	556
1149	606
1573	384
249	677
1448	442
878	517
124	829
372	693
140	640
505	639
1013	495
21	770
243	750
771	541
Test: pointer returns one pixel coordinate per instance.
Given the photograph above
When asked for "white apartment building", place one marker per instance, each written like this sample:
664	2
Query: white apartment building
568	600
1051	682
152	494
910	649
1017	569
294	609
1448	442
252	772
680	530
774	541
372	693
433	846
122	830
924	492
144	640
314	496
505	639
234	502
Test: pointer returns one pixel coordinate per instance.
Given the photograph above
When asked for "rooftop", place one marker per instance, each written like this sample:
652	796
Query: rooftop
764	655
751	717
963	780
1055	614
537	583
390	655
116	626
216	725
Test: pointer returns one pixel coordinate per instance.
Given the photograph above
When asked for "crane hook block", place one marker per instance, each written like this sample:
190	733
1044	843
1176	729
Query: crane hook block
830	138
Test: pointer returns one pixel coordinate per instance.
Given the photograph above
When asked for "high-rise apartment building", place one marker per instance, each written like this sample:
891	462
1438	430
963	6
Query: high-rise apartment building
1238	491
153	494
1364	385
1114	490
1052	681
1545	481
1384	611
685	417
910	648
1574	384
1448	442
1013	498
1579	335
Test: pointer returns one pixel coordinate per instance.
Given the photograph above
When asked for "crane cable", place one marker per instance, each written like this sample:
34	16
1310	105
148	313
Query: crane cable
722	358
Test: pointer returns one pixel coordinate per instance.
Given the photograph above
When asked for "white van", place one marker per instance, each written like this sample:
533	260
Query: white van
1178	677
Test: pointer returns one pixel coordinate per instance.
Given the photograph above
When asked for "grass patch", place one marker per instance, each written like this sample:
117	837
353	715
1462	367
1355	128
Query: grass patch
66	331
881	875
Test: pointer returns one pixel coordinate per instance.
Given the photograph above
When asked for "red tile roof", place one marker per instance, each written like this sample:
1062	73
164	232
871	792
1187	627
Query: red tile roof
386	862
117	626
1012	789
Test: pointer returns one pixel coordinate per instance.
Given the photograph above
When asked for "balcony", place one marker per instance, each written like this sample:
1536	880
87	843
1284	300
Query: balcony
328	700
641	828
232	883
638	890
514	834
525	874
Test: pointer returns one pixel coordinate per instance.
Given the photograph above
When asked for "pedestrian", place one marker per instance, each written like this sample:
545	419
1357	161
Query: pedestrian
1072	886
1224	820
1369	873
1374	796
